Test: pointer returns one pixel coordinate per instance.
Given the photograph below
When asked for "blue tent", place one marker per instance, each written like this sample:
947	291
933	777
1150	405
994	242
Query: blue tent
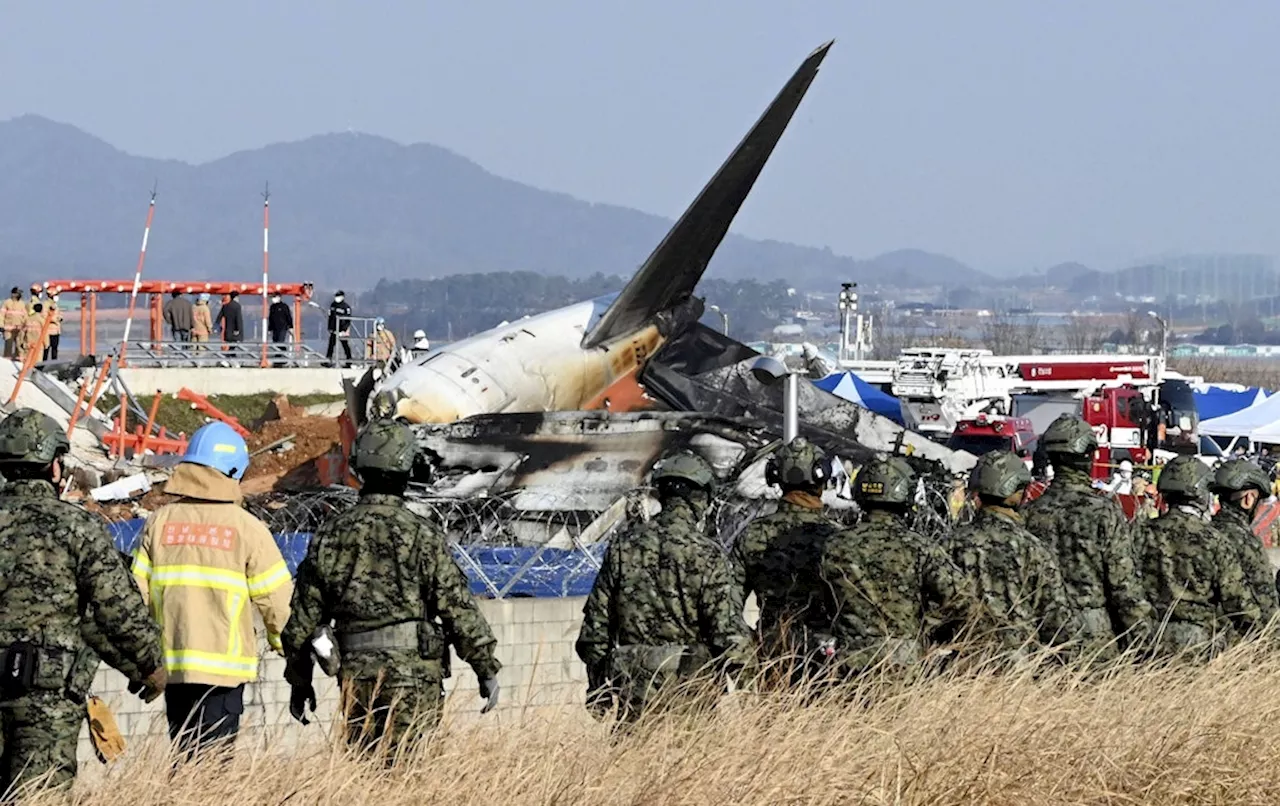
855	390
1216	401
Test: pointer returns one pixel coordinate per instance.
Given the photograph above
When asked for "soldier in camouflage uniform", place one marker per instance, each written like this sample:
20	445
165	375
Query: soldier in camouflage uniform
63	590
661	612
890	589
1192	577
1240	486
777	559
1093	542
384	578
1022	602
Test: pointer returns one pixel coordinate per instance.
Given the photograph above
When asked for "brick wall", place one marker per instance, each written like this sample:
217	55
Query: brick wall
535	645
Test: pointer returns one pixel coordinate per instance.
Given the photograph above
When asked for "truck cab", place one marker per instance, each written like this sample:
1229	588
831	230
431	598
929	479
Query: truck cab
992	432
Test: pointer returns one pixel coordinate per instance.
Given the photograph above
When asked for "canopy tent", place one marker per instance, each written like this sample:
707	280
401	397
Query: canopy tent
1213	401
855	390
1246	422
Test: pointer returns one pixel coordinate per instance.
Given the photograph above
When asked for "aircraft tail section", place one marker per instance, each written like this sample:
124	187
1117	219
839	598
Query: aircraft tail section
670	274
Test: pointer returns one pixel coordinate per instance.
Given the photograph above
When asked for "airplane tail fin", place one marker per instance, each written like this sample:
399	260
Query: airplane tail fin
670	274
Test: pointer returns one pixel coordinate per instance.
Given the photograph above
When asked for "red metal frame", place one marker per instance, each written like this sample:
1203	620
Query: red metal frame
90	289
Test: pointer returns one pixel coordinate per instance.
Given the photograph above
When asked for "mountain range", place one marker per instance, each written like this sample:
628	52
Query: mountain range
348	209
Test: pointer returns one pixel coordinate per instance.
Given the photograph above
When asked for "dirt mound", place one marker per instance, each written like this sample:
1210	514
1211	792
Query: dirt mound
311	437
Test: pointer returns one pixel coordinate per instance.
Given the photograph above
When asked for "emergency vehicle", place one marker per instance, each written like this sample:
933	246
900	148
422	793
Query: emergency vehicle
1134	405
992	432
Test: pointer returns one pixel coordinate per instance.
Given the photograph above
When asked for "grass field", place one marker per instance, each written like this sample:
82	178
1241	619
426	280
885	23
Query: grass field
1168	735
179	416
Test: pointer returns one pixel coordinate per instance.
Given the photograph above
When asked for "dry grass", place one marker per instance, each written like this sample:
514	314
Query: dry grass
1247	371
1150	734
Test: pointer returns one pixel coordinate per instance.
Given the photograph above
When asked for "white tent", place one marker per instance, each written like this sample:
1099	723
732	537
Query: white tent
1249	423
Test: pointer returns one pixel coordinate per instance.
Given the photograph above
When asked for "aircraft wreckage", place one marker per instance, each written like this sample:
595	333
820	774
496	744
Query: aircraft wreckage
570	409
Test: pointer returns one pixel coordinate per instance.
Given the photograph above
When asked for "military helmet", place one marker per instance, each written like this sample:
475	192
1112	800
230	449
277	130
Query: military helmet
385	445
28	437
999	474
888	481
687	466
1238	475
799	463
1069	434
1185	476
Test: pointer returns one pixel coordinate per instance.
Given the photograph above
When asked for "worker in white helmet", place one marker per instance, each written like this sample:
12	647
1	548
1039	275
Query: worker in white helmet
420	343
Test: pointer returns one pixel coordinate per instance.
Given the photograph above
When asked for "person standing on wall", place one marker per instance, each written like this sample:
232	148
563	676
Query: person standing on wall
339	327
55	329
280	323
13	315
178	315
201	321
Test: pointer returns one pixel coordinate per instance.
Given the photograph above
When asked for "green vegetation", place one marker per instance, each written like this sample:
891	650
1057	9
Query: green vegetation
180	416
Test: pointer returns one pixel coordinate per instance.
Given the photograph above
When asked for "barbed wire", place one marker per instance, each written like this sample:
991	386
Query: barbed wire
507	550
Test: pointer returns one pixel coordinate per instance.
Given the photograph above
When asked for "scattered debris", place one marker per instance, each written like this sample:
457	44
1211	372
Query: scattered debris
122	488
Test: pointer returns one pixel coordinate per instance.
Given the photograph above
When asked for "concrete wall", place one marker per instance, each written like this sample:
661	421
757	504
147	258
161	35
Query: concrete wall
238	380
535	645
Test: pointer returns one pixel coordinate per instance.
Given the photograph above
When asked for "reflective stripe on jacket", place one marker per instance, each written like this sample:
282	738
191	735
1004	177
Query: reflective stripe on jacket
13	313
201	562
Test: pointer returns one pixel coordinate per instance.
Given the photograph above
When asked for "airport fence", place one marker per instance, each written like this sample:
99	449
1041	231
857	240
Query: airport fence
507	552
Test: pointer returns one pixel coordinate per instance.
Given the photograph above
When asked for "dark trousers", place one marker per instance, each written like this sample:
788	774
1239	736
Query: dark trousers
201	716
51	352
334	338
182	335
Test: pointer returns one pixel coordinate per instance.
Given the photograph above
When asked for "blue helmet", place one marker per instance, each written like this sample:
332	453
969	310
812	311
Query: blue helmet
217	445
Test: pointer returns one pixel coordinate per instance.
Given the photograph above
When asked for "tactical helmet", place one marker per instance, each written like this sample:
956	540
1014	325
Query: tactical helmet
999	474
386	445
1069	434
28	437
1238	475
684	465
1185	477
889	481
799	463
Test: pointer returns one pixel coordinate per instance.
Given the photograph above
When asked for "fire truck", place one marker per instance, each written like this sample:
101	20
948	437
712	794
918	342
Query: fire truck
1134	405
991	432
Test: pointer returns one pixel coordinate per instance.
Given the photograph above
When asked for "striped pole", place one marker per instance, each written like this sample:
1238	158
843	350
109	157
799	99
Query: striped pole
137	275
266	200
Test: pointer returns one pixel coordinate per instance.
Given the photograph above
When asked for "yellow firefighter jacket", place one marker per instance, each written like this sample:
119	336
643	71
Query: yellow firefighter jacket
13	313
201	561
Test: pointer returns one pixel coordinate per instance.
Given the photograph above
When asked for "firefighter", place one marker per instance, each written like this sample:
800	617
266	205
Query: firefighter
384	342
13	315
55	330
30	334
201	561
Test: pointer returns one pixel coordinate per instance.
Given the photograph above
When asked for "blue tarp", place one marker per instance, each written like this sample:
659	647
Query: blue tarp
1215	401
855	390
512	571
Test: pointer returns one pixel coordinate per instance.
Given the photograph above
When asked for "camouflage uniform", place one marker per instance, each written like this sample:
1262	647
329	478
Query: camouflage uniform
890	590
1192	577
1093	543
1016	578
777	558
64	588
385	578
1236	526
662	606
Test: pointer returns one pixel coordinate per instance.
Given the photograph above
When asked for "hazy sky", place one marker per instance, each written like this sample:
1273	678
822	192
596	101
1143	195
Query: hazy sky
1010	135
